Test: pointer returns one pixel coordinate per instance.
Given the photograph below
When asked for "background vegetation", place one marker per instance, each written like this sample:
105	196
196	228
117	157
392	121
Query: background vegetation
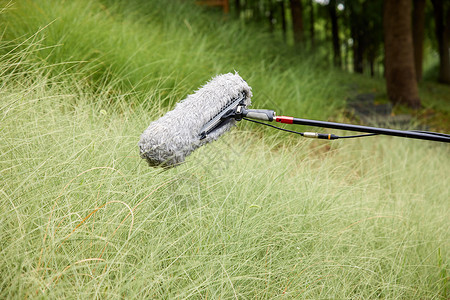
393	39
257	214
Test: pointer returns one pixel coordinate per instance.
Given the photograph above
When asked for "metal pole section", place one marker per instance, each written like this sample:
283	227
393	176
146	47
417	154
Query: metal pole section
367	129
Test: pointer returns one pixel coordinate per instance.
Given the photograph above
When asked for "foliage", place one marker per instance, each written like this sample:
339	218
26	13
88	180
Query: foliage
256	214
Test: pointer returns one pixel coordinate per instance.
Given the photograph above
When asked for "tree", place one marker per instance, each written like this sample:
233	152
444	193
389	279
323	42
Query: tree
237	6
357	32
442	21
400	73
418	28
335	33
283	19
297	20
311	23
271	15
373	32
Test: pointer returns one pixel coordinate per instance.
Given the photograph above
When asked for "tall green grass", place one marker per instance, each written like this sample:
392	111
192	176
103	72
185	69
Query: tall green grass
257	214
248	216
143	46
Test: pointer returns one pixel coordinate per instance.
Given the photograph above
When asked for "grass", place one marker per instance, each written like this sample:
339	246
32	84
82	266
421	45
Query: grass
257	214
104	43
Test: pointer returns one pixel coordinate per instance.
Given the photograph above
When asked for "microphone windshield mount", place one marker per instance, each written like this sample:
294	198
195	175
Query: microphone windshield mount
199	119
211	111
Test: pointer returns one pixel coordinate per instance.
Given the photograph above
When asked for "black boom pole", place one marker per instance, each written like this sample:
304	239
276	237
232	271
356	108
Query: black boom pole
240	112
423	135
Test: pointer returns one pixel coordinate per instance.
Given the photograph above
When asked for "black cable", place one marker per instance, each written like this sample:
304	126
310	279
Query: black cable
302	134
276	127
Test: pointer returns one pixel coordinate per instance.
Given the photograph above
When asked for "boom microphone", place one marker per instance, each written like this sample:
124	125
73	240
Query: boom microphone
205	115
195	121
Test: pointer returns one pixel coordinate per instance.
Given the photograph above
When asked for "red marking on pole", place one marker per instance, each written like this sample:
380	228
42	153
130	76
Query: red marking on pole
284	119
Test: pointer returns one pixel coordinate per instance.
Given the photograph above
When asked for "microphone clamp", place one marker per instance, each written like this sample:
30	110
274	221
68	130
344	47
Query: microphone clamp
240	112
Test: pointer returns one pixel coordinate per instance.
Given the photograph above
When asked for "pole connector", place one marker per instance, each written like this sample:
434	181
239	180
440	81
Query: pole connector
323	136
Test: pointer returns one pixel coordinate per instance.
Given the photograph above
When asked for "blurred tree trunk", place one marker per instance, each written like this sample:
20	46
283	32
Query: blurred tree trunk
335	33
357	34
283	19
297	20
271	16
442	21
400	72
311	22
371	35
418	35
237	7
358	52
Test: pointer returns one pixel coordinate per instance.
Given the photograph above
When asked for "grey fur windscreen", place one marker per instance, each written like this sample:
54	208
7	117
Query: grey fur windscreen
168	140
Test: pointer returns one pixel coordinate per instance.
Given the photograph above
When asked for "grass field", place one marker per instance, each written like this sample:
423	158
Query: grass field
257	214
